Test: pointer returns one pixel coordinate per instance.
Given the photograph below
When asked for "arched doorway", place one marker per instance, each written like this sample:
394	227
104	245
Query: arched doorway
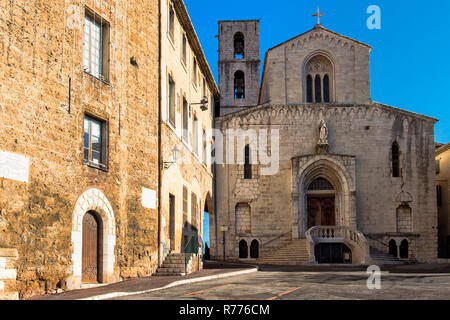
393	248
327	176
206	236
254	249
243	249
321	203
91	248
93	206
404	249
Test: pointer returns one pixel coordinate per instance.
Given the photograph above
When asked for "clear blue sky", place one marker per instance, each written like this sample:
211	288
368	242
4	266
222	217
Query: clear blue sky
410	61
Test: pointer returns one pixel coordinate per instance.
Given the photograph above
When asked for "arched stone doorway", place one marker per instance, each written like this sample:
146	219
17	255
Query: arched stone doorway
335	175
92	207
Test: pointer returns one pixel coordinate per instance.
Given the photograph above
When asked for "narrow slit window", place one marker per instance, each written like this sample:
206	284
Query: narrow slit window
395	160
247	164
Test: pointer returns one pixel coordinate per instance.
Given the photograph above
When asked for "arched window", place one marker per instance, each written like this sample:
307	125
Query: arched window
243	249
319	75
254	249
247	164
395	160
309	89
404	248
239	46
326	89
393	248
318	90
239	85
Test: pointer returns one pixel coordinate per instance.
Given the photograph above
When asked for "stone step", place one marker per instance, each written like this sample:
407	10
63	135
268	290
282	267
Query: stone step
174	260
173	265
169	274
174	270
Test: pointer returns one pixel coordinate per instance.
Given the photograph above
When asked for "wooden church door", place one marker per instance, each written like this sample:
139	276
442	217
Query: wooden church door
90	252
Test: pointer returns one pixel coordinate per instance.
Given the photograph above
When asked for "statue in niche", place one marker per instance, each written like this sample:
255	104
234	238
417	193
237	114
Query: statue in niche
322	144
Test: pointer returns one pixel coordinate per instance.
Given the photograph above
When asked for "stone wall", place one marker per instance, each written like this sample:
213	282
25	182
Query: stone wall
362	134
8	274
42	48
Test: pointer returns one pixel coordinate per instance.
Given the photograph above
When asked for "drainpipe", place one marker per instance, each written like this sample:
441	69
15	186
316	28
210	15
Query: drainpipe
159	133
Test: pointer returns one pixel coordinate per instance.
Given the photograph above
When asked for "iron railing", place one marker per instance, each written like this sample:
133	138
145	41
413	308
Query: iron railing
190	250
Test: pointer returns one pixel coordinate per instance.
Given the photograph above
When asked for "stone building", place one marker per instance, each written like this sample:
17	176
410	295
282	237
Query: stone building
188	97
319	172
443	198
81	161
79	141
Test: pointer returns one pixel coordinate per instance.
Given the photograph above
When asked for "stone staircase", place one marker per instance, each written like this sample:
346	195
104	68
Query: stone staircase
382	258
294	253
173	265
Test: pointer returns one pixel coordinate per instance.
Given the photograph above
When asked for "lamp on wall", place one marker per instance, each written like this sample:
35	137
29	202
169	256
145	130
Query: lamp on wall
175	154
203	103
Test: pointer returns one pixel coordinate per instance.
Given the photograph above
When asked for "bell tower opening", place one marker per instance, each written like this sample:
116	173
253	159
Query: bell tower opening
239	65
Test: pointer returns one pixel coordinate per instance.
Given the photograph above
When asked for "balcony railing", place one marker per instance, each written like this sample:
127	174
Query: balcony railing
339	234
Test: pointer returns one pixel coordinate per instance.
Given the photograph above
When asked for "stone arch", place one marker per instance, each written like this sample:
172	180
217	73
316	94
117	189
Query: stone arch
337	174
93	200
329	68
243	249
254	249
404	249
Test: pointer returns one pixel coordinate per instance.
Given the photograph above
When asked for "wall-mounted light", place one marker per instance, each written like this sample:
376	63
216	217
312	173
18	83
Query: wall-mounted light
175	154
203	103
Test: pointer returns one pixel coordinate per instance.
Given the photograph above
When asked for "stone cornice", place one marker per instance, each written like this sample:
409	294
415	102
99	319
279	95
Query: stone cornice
322	33
262	114
442	149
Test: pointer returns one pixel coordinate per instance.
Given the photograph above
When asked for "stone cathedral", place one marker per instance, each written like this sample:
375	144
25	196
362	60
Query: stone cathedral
356	178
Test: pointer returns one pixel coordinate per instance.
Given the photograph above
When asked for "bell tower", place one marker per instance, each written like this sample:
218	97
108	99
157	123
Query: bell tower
239	65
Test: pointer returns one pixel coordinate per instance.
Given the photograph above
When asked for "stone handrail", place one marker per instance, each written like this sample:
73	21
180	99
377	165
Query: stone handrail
321	234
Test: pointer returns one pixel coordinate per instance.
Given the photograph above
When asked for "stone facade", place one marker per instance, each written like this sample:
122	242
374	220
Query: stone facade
190	180
41	49
229	64
443	201
353	152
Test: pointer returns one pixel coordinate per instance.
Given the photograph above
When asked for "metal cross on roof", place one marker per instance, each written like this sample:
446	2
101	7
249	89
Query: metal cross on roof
318	15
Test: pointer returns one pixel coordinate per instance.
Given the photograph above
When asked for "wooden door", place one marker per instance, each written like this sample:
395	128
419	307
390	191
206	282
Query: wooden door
321	211
90	257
